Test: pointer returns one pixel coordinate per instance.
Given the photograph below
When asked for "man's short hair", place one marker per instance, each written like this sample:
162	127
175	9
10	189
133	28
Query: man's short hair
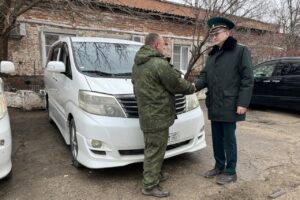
151	38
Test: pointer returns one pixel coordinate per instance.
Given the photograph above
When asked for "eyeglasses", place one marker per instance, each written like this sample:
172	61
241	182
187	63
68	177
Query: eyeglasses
211	35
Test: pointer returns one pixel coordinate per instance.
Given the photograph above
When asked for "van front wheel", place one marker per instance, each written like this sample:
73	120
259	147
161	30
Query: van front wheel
74	144
48	109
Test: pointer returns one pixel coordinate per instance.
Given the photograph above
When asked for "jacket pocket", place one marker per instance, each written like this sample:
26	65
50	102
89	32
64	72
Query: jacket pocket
230	98
230	93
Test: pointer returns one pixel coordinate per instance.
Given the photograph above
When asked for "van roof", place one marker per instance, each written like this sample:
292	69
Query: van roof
104	40
284	58
280	59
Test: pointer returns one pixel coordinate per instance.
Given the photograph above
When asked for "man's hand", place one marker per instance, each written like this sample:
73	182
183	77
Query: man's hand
195	89
241	110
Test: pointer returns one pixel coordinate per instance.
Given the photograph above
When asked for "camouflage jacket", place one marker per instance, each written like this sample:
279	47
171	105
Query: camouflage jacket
155	84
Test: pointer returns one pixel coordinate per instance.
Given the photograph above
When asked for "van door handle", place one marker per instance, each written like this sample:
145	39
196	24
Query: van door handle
276	81
266	81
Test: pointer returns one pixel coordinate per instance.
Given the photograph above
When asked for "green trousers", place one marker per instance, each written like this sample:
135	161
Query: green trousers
224	146
155	148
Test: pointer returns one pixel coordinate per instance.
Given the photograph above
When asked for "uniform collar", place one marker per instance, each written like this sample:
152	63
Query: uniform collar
229	44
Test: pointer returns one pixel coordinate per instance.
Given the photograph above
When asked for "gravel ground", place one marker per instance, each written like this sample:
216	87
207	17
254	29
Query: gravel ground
268	164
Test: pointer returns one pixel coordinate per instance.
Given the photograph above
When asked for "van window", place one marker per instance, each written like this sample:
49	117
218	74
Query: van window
54	53
288	69
107	58
264	70
295	68
64	57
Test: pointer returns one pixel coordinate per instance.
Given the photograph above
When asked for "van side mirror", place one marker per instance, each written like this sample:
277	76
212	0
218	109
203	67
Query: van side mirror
56	66
7	67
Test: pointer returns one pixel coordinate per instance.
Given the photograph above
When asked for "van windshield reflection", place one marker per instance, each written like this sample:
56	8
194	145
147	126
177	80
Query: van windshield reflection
104	59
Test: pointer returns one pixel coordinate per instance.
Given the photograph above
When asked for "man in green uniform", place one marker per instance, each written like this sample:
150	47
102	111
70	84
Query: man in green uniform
228	77
155	84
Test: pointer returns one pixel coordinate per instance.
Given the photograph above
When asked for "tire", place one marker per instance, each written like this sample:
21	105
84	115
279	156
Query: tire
8	176
74	144
47	108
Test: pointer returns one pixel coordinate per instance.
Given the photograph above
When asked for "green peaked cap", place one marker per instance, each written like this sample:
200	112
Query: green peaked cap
219	22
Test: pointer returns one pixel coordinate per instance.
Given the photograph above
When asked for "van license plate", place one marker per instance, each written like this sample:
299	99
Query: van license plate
173	138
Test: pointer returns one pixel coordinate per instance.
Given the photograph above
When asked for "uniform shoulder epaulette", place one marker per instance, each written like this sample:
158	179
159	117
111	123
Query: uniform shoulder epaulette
242	45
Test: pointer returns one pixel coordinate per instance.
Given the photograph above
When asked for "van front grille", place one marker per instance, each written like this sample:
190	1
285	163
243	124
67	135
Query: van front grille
128	103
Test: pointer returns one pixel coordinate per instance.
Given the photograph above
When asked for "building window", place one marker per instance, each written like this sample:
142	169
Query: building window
138	38
181	56
48	39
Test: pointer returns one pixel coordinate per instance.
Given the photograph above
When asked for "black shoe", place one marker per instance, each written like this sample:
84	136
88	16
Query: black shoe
163	176
226	178
212	173
156	191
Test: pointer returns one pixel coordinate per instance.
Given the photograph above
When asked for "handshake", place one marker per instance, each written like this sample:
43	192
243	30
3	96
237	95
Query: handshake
195	89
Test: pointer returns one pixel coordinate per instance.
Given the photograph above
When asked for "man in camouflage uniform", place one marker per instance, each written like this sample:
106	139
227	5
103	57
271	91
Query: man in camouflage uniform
155	84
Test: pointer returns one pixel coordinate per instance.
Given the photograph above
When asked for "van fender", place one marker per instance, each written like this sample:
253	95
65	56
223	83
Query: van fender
71	108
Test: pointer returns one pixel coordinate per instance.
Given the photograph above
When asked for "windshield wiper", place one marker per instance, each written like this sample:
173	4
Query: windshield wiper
97	72
123	74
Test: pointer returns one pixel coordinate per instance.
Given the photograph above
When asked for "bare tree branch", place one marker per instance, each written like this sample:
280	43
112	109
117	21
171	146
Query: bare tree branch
287	16
243	8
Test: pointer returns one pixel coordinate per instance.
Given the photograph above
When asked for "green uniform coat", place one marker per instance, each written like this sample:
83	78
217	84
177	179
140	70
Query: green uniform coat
228	77
155	83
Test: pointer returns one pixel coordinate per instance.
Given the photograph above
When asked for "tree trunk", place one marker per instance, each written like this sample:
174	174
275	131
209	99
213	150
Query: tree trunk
4	47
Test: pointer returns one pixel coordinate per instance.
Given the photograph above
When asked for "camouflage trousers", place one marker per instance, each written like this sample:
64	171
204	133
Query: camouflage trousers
155	148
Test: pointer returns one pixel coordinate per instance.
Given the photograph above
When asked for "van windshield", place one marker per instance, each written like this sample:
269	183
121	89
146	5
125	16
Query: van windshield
104	59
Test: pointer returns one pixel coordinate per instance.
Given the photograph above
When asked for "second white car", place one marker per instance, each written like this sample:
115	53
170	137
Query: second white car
5	130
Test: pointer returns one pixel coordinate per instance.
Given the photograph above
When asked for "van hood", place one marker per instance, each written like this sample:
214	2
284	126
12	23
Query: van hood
110	85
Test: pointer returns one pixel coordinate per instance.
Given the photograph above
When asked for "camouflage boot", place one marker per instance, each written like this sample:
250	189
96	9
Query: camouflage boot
156	191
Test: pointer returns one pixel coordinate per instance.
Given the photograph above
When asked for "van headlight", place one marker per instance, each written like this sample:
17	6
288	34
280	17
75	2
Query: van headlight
100	104
191	102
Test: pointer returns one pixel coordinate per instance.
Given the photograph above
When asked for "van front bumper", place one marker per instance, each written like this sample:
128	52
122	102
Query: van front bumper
123	141
5	147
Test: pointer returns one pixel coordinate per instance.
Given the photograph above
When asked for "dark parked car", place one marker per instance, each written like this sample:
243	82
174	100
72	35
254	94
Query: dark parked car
277	83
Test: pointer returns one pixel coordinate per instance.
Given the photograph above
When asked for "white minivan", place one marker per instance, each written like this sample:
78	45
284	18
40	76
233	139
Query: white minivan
5	131
90	98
